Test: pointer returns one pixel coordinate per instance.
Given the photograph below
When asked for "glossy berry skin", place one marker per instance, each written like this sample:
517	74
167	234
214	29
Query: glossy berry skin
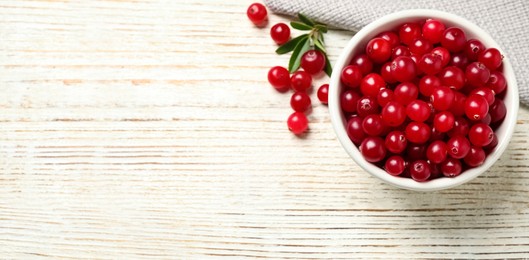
443	121
400	50
300	81
451	167
418	111
453	77
257	13
444	54
458	106
475	157
280	33
418	132
372	148
313	62
476	107
442	98
473	48
405	93
396	142
384	96
378	50
459	60
458	147
300	101
477	74
420	46
393	114
351	76
279	78
408	32
323	93
490	147
480	134
430	64
391	37
436	152
485	92
432	30
427	84
349	101
461	127
420	170
363	62
403	69
387	75
453	39
366	106
491	57
355	131
371	84
497	111
373	125
497	82
395	165
297	123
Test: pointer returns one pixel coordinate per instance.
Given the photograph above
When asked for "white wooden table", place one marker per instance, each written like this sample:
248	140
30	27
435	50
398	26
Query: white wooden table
147	129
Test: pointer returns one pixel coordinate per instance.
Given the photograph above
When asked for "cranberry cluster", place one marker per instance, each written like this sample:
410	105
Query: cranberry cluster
423	101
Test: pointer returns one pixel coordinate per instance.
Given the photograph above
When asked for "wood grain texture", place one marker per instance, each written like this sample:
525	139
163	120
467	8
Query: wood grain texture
147	130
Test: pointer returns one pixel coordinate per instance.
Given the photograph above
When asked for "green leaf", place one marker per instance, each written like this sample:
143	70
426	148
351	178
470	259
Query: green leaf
328	66
295	59
290	45
319	45
300	26
320	37
305	20
321	28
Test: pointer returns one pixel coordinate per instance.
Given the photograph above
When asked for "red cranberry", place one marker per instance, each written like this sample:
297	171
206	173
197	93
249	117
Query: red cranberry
391	37
403	69
453	39
461	127
443	121
415	58
280	33
300	80
349	101
256	13
351	76
354	130
279	78
497	111
313	61
366	106
372	148
480	134
433	30
459	60
452	77
451	167
491	57
396	142
400	50
393	114
473	48
378	50
475	157
497	82
420	170
436	135
490	147
363	62
415	151
405	93
373	125
458	147
442	98
386	73
436	152
323	93
443	53
477	74
297	123
420	46
300	101
486	120
418	132
458	106
430	64
408	32
384	96
395	165
371	84
427	84
487	93
418	110
476	107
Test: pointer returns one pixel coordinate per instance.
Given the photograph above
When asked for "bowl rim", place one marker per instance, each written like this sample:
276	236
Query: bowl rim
338	120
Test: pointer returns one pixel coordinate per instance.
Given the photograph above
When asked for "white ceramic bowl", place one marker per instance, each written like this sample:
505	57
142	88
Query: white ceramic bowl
357	45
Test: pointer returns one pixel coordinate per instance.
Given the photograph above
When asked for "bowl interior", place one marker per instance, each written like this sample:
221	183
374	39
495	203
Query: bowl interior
391	22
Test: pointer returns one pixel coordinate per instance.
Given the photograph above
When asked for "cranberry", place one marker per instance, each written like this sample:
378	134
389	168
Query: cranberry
391	37
487	93
408	32
436	152
400	50
443	53
491	57
458	147
373	125
452	77
378	50
393	114
371	84
300	101
453	39
256	13
364	63
300	81
415	58
477	74
430	64
396	142
323	93
490	147
418	110
480	134
458	106
351	76
442	98
497	82
432	30
427	84
403	69
475	157
418	132
354	130
386	73
416	151
486	120
395	165
372	148
297	123
459	60
420	170
349	100
436	135
473	48
420	46
366	106
451	167
476	107
280	33
313	62
461	127
497	111
405	93
279	78
443	121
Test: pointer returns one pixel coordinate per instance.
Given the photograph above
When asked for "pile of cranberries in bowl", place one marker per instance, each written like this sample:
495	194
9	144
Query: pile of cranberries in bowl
423	101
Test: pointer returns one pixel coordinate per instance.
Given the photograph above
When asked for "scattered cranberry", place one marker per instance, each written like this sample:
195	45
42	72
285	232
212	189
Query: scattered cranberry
297	123
300	81
300	101
323	93
279	78
257	13
313	62
280	33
